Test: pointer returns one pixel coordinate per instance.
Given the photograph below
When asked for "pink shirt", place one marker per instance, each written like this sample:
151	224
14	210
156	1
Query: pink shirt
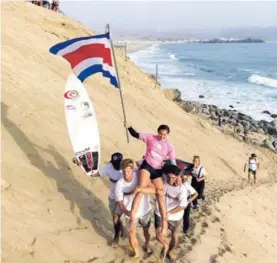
157	150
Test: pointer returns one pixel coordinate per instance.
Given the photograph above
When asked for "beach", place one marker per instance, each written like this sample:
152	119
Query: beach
52	212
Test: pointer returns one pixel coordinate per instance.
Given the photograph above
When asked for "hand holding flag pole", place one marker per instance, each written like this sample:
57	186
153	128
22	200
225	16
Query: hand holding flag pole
119	85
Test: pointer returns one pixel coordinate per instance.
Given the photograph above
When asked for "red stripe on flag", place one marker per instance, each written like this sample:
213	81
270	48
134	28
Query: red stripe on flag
89	51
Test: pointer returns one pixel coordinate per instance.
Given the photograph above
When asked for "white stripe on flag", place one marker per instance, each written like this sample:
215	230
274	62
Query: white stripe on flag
80	43
90	62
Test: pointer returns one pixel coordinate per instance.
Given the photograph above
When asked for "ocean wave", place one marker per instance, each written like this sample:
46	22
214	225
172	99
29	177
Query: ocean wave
172	56
189	74
268	82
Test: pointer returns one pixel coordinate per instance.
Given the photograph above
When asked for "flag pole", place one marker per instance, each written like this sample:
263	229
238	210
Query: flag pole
119	85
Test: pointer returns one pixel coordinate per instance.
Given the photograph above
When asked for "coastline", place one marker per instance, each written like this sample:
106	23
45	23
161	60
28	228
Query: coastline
233	122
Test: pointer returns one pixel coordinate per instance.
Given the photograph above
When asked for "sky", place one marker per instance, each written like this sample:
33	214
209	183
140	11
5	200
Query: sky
171	15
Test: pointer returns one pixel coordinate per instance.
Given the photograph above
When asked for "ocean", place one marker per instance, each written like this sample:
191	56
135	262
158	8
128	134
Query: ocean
241	75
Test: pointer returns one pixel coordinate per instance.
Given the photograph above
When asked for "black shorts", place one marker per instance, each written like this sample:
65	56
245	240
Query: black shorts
154	173
253	172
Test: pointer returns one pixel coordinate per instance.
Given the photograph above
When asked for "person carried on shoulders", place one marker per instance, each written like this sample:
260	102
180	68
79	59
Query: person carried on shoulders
158	148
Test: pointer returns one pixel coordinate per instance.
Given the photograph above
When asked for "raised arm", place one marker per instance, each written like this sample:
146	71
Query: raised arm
133	132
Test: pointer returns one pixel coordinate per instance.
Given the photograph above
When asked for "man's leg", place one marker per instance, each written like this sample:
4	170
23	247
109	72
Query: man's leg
186	219
133	242
146	234
249	173
254	173
145	222
159	185
144	181
160	237
172	245
116	214
117	227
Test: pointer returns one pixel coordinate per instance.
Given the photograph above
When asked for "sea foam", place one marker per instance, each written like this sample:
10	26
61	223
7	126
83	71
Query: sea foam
268	82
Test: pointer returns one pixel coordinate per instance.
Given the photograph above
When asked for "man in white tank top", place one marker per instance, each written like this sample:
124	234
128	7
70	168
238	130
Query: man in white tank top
253	166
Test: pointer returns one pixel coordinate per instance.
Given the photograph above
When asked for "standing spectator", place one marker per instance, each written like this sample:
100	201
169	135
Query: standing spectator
46	4
219	121
55	5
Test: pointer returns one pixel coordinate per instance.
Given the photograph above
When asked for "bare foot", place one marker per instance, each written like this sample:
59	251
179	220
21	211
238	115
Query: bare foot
147	249
115	242
135	255
163	253
171	256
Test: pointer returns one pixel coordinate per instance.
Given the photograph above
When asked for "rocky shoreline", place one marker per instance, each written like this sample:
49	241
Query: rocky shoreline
235	123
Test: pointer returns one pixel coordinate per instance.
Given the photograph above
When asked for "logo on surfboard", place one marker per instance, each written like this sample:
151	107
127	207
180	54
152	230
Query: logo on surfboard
71	94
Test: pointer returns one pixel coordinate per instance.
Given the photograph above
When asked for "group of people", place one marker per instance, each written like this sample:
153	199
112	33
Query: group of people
132	183
53	5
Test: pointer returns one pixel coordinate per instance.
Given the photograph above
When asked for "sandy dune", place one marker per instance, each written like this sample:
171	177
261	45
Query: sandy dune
51	212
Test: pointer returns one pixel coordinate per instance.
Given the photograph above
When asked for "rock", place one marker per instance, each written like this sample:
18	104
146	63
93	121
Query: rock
219	112
227	113
231	106
214	116
188	107
238	102
201	96
173	94
274	123
267	144
261	131
272	131
274	116
213	107
266	112
245	124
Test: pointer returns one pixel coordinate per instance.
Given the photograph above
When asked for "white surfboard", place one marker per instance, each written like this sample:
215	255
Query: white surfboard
82	125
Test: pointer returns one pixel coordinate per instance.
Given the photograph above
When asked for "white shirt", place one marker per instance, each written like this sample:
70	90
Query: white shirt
113	174
174	196
123	187
252	164
195	172
190	190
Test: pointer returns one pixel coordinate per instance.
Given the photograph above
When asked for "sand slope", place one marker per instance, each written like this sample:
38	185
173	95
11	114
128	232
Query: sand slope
51	212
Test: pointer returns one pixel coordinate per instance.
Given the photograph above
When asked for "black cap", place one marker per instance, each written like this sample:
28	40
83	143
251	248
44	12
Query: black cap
172	169
116	159
253	155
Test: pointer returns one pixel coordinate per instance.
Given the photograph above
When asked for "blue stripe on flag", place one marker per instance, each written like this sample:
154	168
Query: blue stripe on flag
56	48
96	69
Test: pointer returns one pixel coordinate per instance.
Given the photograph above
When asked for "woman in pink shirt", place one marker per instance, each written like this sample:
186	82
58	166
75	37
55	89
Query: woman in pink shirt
158	149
